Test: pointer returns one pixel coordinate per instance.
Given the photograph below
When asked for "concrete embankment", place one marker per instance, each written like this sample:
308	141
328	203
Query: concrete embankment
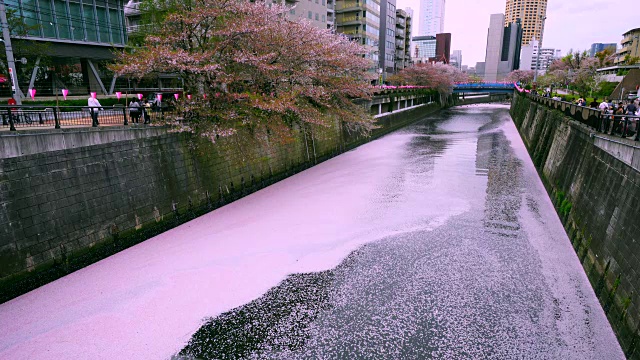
594	182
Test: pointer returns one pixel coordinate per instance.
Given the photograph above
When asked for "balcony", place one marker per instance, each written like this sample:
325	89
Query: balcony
400	23
348	6
400	44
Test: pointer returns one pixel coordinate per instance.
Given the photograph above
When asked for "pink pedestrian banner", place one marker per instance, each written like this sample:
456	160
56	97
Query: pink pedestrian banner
118	95
32	93
176	95
65	92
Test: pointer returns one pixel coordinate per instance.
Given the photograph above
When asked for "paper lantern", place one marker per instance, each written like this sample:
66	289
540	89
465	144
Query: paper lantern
139	96
32	93
159	97
176	95
204	96
65	92
189	96
118	94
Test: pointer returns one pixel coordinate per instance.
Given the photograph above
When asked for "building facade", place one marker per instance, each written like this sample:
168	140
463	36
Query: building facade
630	47
403	39
531	14
78	37
424	47
456	59
431	17
599	47
360	21
387	43
503	48
319	13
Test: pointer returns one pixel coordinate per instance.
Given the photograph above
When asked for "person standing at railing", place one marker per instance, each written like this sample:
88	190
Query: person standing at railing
134	111
604	108
94	107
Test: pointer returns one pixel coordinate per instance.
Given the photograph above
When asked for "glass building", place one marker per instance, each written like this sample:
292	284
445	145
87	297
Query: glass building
83	21
77	39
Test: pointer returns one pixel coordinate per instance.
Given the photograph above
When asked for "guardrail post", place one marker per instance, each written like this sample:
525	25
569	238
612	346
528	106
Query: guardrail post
40	121
12	126
55	117
124	114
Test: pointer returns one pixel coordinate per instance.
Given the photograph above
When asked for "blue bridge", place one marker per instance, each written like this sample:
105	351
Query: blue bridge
493	88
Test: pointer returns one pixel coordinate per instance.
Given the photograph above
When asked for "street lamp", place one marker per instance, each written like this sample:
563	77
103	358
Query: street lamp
380	70
6	38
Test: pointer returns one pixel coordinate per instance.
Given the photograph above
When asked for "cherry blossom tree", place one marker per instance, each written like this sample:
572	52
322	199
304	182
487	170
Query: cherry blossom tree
520	76
439	77
248	66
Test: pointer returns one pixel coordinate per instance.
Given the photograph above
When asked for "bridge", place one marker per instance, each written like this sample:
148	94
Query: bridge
492	88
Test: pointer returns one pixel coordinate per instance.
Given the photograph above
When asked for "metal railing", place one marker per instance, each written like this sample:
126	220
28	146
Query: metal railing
625	126
14	117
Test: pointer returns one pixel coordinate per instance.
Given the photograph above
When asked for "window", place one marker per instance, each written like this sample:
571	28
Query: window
90	20
46	15
63	19
324	2
310	14
76	20
324	18
292	11
317	17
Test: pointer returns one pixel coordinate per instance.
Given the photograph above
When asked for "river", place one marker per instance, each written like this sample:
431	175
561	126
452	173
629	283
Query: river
436	241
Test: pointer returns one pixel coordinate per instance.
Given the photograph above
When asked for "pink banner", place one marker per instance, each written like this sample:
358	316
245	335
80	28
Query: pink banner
139	96
159	97
32	93
65	92
118	94
176	95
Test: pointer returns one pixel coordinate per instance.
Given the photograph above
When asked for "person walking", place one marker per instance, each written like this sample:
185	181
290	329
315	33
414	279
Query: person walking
94	107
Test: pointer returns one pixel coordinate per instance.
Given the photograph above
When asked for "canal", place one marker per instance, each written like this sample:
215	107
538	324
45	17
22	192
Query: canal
437	241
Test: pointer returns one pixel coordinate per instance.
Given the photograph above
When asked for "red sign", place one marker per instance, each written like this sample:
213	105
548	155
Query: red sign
3	79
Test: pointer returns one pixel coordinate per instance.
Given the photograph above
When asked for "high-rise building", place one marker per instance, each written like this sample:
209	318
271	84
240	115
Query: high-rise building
360	21
432	49
599	47
431	17
443	48
403	39
456	59
531	14
387	43
503	48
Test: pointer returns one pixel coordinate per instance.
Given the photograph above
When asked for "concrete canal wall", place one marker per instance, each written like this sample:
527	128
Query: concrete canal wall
594	182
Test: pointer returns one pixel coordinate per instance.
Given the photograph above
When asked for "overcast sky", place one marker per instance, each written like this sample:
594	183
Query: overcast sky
571	24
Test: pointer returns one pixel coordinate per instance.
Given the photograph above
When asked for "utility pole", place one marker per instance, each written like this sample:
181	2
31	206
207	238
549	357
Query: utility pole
6	37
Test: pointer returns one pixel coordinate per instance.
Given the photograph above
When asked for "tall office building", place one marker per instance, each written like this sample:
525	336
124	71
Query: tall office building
503	48
431	17
599	47
531	14
387	43
456	59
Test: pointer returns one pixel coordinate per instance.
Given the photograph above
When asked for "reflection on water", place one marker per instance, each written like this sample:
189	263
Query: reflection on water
471	288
